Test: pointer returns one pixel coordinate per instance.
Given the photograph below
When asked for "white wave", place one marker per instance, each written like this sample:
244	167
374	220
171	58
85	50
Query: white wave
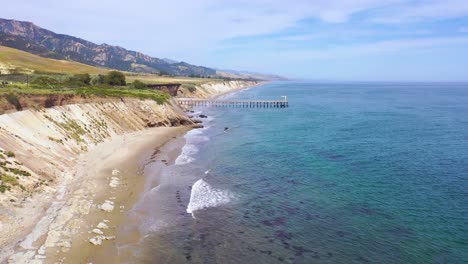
192	137
204	196
208	171
187	154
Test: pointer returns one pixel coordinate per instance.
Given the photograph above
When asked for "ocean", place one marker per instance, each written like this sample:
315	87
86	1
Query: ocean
349	173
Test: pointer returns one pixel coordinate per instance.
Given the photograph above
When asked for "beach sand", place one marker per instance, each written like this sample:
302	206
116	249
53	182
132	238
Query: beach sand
106	182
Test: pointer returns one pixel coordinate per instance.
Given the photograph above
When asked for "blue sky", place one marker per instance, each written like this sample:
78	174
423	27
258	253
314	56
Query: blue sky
387	40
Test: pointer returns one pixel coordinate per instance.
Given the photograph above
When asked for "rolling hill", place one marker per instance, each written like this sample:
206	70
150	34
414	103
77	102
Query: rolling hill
17	61
28	37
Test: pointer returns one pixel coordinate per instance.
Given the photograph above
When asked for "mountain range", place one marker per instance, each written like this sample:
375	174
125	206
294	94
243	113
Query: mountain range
28	37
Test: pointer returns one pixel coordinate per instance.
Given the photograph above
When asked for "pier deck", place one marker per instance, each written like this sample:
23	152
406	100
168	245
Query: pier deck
233	103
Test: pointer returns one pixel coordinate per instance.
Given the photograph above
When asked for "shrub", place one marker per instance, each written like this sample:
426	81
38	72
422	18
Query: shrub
4	188
10	154
7	179
45	81
99	79
192	89
13	99
138	84
80	79
115	78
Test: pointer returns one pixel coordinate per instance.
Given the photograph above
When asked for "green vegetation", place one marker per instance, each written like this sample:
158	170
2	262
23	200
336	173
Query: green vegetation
60	141
10	154
111	85
13	99
79	80
157	96
7	182
191	87
115	78
17	171
45	81
137	84
4	188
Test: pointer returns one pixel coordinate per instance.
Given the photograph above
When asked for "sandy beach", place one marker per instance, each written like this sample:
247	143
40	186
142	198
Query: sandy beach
105	183
76	219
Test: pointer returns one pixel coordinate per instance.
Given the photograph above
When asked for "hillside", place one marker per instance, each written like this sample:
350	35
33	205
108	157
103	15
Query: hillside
28	37
17	61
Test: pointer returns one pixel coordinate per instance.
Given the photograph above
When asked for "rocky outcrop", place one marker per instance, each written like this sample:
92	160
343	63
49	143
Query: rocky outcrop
28	37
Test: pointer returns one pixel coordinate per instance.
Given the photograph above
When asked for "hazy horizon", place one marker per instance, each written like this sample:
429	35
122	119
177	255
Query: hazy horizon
388	40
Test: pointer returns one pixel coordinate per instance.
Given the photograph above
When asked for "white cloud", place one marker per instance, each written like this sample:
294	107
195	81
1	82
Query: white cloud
193	30
409	12
379	47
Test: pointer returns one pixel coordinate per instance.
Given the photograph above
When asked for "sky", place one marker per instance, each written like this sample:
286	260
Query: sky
361	40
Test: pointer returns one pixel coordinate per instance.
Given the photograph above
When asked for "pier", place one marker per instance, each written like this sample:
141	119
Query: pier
190	102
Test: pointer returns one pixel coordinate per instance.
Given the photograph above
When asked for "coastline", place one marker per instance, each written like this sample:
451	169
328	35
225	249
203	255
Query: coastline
64	230
216	96
119	162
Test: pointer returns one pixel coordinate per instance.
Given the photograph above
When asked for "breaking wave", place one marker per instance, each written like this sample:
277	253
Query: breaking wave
204	196
192	138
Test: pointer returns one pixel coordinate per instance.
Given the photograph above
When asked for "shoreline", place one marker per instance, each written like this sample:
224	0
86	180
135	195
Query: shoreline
117	162
260	83
85	196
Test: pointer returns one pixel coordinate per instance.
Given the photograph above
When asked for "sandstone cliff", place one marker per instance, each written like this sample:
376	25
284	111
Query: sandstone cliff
215	88
41	143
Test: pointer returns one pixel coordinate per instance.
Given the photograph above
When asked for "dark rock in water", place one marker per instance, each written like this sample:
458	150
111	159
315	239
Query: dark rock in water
292	211
202	116
190	116
312	216
275	222
188	248
299	251
280	221
362	259
226	128
283	235
365	210
292	181
191	111
197	121
267	223
340	233
198	126
252	249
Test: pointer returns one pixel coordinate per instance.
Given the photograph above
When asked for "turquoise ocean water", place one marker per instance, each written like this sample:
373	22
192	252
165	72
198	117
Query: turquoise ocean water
349	173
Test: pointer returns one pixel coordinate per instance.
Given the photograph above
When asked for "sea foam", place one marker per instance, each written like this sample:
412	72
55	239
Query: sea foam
192	138
204	196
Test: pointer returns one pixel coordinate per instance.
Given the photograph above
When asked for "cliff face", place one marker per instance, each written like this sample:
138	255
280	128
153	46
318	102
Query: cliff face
215	88
28	37
37	146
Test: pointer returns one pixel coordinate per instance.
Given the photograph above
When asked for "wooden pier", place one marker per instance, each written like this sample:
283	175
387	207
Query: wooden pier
189	102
